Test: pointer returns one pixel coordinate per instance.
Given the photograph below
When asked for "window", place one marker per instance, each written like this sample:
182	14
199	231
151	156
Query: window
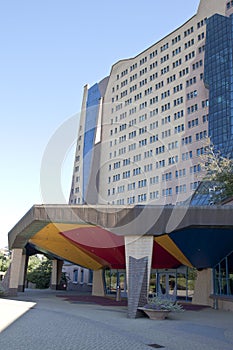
154	180
164	59
177	63
176	39
143	82
176	51
75	276
178	115
189	56
179	128
90	277
193	123
197	65
136	171
171	79
177	88
153	54
154	195
142	143
188	31
178	101
82	276
223	275
143	60
191	81
154	138
142	183
165	70
192	109
142	130
164	47
126	174
167	192
131	186
167	176
142	198
189	43
181	189
187	155
186	140
195	169
134	66
131	200
192	94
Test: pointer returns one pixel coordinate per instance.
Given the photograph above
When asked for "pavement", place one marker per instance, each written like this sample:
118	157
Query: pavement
37	320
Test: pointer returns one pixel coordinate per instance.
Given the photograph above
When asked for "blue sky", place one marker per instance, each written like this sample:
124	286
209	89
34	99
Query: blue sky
49	49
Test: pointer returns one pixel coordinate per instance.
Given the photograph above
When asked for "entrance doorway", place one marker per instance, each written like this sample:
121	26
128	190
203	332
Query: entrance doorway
114	278
173	283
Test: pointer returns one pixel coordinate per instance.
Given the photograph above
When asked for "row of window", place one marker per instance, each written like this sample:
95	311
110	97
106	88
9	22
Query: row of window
165	46
160	84
155	194
149	167
152	126
164	94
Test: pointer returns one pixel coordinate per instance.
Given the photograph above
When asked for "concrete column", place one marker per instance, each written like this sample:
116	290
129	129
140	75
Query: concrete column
23	271
15	271
98	283
203	288
138	251
56	273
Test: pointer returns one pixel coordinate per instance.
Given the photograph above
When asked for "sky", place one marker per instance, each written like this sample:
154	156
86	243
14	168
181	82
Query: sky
49	49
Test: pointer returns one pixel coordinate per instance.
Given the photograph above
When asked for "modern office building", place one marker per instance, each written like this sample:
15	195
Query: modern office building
142	133
144	128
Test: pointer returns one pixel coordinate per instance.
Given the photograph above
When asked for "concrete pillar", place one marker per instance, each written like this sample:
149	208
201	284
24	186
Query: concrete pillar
98	283
15	270
22	274
138	251
56	274
203	288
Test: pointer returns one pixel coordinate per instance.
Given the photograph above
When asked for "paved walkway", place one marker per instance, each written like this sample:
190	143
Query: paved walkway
39	320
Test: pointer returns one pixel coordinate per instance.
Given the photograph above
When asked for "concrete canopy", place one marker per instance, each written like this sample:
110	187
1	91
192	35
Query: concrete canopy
93	236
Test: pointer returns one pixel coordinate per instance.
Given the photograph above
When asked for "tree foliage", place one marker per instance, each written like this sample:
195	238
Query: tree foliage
219	169
4	262
39	271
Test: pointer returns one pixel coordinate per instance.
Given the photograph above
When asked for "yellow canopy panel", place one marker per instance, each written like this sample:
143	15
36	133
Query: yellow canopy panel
167	243
49	239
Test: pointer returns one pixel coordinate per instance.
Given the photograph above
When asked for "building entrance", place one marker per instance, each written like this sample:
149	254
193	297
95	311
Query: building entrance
174	284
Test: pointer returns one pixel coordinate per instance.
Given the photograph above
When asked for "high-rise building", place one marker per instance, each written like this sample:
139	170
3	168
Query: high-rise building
144	128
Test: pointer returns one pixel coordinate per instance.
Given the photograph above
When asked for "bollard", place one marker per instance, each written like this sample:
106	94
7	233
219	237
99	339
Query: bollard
118	293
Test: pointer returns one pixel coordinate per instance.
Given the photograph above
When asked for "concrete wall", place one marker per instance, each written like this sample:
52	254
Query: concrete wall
203	288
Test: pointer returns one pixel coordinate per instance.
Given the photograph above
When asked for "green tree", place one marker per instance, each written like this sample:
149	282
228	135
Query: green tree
219	169
39	271
4	262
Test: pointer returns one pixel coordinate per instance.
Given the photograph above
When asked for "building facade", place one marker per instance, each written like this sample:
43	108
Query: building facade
144	128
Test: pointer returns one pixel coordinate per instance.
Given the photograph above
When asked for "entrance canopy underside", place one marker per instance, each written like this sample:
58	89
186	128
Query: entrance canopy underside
93	236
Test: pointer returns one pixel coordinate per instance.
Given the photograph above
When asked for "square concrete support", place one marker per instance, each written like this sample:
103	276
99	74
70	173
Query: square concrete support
23	271
56	273
203	288
15	271
138	250
98	283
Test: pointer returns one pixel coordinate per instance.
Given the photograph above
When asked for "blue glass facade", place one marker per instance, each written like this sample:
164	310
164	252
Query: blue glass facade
92	110
218	79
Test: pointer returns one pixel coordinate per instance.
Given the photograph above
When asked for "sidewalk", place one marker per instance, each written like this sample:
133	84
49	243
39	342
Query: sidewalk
49	322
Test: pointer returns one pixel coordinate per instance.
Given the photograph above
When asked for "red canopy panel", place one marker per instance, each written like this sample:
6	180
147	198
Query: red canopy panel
161	259
100	243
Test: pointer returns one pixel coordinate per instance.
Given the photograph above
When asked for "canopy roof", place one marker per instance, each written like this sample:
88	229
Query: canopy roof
93	236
